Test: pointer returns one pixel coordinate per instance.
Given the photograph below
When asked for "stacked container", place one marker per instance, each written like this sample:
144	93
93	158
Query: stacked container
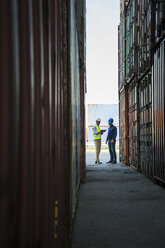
145	30
123	138
129	40
159	94
133	127
121	45
145	20
143	85
159	112
159	20
123	92
131	78
42	89
145	123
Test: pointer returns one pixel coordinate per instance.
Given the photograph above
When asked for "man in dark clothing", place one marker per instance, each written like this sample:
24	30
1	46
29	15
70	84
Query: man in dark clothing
111	139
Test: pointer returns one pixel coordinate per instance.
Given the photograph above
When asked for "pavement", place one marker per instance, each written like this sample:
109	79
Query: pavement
118	208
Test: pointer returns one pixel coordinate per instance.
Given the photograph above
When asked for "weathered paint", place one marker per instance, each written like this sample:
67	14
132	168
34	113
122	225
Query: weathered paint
159	113
130	46
39	99
133	126
124	126
145	125
144	136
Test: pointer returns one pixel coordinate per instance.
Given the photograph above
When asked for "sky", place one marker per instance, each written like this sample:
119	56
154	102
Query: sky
102	51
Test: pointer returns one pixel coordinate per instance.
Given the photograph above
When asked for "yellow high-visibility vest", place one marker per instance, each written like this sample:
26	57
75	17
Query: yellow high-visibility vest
97	136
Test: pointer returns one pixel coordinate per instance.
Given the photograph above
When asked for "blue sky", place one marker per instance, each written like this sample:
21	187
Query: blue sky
102	51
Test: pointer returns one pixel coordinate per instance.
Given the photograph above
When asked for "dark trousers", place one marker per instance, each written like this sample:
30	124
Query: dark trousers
112	151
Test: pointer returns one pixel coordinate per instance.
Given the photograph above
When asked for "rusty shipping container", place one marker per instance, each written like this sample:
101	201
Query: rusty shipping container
128	122
145	44
159	113
133	125
144	76
145	125
42	90
123	125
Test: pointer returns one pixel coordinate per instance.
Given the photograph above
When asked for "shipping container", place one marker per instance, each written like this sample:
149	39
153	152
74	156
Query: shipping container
159	113
130	41
42	114
119	63
122	7
77	109
133	125
145	35
159	20
121	47
145	125
144	77
123	126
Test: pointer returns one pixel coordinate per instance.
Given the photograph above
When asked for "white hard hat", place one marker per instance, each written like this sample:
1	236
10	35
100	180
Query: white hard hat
98	119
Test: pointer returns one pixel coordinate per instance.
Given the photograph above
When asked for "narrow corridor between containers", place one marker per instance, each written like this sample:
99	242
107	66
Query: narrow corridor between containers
118	207
42	128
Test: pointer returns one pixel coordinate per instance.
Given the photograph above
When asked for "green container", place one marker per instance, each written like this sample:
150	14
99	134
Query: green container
129	40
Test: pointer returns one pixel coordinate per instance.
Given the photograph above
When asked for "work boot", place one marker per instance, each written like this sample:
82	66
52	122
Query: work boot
109	162
113	163
99	162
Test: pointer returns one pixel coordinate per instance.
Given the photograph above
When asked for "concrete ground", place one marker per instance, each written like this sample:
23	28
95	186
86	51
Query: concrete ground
118	208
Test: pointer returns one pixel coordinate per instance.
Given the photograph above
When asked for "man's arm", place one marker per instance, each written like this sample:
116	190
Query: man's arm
95	131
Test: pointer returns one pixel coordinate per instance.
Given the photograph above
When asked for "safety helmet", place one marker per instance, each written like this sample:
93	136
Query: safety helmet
98	119
110	120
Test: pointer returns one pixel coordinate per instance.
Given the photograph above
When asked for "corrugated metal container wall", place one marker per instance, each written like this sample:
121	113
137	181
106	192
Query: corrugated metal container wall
9	122
122	5
77	60
119	64
36	140
122	52
123	125
159	113
160	20
133	125
145	19
145	42
145	122
142	43
121	46
81	26
130	41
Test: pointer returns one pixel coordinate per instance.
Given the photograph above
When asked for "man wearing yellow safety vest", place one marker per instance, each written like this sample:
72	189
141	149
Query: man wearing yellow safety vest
97	132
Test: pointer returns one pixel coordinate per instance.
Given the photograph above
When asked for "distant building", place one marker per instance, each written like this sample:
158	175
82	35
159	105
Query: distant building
103	111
